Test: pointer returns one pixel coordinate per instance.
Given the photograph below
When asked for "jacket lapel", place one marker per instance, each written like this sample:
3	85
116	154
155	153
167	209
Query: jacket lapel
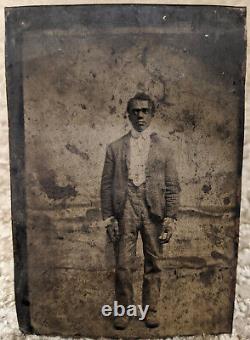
126	150
151	154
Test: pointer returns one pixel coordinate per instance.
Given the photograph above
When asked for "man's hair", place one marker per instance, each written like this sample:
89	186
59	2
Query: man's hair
141	96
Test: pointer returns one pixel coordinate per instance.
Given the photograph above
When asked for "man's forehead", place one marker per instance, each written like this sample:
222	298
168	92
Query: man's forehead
138	103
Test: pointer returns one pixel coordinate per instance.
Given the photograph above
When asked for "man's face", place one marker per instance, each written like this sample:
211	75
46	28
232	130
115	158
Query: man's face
140	115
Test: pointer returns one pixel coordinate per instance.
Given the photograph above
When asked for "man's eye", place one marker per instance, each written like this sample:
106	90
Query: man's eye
140	110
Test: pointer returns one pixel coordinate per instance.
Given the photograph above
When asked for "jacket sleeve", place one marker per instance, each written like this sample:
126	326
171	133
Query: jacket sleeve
172	192
107	184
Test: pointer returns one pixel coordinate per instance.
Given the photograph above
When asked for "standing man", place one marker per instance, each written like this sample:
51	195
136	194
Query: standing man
139	193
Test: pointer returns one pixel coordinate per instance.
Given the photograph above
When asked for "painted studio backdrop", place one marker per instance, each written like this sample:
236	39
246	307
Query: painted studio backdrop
75	68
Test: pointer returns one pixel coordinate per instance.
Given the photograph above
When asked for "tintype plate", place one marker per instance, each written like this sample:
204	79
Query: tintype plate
79	79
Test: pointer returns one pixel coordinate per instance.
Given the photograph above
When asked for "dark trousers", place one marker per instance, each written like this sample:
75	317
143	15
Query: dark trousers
136	218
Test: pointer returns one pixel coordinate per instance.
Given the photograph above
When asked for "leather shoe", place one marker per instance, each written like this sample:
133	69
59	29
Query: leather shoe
151	320
121	322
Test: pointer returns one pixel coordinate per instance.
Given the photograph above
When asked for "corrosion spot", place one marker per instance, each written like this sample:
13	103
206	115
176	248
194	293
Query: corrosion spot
112	110
222	132
73	149
189	119
54	191
93	215
144	56
206	188
206	277
218	256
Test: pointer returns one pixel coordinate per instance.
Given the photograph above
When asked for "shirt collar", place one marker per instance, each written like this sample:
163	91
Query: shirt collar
144	134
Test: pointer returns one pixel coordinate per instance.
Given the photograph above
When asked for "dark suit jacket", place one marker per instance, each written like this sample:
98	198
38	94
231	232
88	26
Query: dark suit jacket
162	187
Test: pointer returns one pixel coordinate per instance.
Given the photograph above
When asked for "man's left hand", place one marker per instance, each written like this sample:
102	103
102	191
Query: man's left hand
167	232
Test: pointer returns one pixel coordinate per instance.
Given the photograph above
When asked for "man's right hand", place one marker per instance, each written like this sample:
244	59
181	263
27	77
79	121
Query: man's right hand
112	228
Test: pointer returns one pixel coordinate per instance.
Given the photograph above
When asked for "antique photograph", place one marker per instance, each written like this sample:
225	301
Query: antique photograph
126	126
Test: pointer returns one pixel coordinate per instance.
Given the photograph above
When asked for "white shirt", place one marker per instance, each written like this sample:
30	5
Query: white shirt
139	149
